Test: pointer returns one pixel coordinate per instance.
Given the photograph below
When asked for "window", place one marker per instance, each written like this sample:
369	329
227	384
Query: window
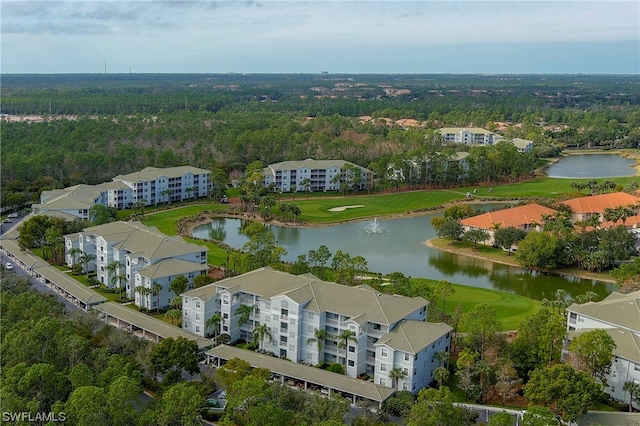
383	352
225	328
352	349
197	304
197	317
310	315
197	329
310	329
351	363
383	367
406	357
225	316
186	313
383	382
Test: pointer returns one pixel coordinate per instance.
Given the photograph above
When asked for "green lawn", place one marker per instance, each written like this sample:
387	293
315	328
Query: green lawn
510	308
317	210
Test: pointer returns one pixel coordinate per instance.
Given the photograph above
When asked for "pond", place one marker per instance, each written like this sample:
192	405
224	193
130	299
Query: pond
398	245
580	166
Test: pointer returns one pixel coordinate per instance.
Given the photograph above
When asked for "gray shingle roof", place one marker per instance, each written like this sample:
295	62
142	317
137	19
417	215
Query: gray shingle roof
312	164
169	267
412	336
321	296
617	309
149	323
153	173
289	369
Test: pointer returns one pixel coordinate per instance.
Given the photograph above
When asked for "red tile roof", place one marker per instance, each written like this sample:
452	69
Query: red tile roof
515	216
597	203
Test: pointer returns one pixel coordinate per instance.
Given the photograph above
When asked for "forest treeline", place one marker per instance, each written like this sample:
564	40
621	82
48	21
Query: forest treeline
93	127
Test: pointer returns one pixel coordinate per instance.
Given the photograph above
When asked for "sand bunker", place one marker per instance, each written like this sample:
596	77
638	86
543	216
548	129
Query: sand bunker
343	208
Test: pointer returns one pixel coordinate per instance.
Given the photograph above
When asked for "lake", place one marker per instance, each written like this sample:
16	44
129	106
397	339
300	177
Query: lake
398	245
582	166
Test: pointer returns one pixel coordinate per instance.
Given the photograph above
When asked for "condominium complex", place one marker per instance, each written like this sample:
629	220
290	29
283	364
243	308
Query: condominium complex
137	258
619	315
479	136
150	186
316	175
305	317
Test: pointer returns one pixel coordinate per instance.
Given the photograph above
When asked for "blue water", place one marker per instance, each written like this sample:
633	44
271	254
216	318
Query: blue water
591	166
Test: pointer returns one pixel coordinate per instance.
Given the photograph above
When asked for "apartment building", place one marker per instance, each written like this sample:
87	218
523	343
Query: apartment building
619	315
75	202
379	331
316	175
583	208
154	185
151	186
468	135
136	257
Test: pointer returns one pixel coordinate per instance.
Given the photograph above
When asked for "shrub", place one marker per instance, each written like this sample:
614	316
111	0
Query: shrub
336	368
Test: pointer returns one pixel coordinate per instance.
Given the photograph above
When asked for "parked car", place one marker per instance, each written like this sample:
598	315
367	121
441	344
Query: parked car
8	266
13	215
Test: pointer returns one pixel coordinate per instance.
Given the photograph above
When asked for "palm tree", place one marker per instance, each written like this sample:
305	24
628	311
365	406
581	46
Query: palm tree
260	333
84	259
215	321
176	302
343	342
174	314
143	291
634	390
319	336
397	374
245	312
443	358
442	375
156	288
73	253
113	269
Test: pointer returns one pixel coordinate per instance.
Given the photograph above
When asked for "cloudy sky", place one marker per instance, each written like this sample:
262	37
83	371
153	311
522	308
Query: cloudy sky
278	36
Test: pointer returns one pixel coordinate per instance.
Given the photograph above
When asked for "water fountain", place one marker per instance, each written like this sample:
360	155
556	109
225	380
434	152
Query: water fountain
374	228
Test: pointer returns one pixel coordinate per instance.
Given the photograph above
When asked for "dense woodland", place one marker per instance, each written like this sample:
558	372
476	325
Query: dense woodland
89	128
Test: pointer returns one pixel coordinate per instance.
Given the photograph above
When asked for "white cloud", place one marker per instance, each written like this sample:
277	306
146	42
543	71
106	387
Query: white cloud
238	31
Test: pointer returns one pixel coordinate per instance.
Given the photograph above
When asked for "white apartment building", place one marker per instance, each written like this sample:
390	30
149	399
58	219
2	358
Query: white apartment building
468	135
290	176
75	202
151	186
619	315
388	331
154	186
144	257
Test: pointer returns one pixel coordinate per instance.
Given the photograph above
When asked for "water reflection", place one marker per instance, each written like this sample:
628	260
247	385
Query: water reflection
401	248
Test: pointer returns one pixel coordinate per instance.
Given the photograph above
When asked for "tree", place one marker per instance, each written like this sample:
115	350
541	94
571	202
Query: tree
214	322
86	406
100	214
234	370
156	289
179	285
305	185
75	251
174	314
122	400
481	325
449	228
435	408
507	382
202	280
245	312
181	405
113	270
260	333
501	419
507	237
539	250
476	236
396	374
85	259
319	258
536	415
633	388
319	336
441	374
594	352
566	391
344	338
443	288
